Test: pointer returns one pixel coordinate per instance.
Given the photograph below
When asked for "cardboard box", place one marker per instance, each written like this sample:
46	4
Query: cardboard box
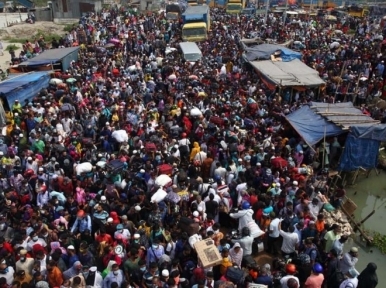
207	253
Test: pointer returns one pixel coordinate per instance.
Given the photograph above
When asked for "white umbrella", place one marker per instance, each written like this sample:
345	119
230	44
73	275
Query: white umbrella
334	45
363	78
163	180
195	112
169	50
338	31
172	77
56	81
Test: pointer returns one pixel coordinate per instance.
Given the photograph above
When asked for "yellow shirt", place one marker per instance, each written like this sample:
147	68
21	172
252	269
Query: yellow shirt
115	117
9	117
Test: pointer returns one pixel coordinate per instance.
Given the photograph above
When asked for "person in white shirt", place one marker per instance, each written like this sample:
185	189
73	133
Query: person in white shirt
91	273
244	215
35	240
67	124
193	239
220	171
124	232
171	246
24	263
199	203
8	272
290	241
274	234
315	207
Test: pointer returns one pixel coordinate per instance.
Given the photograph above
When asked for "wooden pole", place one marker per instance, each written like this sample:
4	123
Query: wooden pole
367	217
341	74
357	227
324	148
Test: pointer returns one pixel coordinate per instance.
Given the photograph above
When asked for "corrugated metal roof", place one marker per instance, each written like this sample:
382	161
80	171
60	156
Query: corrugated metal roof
343	114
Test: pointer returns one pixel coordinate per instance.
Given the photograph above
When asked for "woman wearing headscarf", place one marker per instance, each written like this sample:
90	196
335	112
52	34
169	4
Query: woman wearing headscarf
368	278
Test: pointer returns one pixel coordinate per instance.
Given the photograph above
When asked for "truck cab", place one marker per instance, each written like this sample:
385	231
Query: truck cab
196	21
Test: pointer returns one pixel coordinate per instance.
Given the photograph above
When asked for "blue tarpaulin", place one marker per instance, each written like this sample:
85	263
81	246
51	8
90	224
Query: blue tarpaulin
311	126
23	86
264	52
359	152
52	56
362	147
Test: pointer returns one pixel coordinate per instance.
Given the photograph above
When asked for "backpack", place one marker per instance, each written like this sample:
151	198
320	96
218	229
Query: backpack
336	278
235	275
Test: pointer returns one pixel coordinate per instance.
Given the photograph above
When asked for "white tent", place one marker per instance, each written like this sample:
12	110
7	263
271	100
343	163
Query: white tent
287	74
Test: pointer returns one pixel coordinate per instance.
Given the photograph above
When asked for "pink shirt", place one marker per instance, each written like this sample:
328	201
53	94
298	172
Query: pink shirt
314	281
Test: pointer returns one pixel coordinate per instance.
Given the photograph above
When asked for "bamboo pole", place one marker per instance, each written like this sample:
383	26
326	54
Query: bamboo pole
357	227
367	217
324	147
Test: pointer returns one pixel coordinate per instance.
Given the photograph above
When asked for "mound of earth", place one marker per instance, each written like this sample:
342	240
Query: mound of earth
25	30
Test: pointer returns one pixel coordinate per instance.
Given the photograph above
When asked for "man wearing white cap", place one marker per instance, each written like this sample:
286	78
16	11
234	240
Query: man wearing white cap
349	260
92	277
31	164
24	263
276	189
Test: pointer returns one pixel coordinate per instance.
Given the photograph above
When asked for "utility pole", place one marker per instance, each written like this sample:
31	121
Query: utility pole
266	11
285	11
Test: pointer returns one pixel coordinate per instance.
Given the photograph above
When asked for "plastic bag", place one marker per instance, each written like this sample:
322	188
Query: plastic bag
83	168
158	196
120	136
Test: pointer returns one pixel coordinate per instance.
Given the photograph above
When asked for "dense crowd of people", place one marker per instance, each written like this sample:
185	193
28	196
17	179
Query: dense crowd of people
82	203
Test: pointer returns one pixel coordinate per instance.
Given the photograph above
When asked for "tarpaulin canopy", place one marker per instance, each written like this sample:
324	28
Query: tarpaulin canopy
287	74
374	132
310	126
23	86
264	52
52	56
362	147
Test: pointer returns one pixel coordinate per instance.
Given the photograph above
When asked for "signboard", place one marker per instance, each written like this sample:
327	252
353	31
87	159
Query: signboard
207	253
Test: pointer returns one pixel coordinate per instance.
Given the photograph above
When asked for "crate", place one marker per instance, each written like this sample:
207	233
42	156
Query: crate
349	206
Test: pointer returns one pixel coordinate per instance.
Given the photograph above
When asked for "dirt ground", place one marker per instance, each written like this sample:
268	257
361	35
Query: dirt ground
25	31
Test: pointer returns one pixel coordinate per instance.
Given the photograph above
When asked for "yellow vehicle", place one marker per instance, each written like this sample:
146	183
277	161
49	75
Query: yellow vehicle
235	6
196	23
357	11
192	2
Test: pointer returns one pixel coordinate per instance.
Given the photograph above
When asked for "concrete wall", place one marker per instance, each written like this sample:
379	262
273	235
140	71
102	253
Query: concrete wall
43	15
73	9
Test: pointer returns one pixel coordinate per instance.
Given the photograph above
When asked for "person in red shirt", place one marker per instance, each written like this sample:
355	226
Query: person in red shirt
5	246
104	237
254	198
